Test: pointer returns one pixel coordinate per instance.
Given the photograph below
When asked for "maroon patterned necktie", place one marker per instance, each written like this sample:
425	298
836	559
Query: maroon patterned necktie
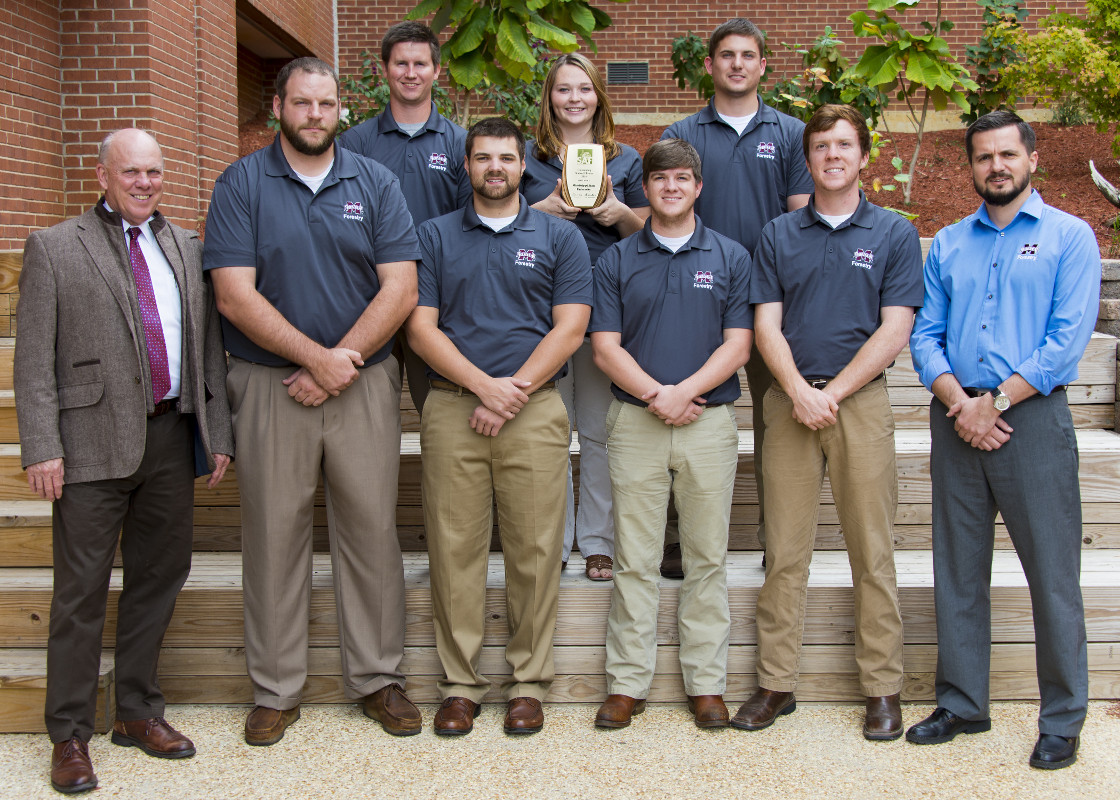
149	315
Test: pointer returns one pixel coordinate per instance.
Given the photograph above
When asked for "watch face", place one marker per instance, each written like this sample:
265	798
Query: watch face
1002	402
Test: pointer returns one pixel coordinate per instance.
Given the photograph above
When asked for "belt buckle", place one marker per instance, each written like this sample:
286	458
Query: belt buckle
818	383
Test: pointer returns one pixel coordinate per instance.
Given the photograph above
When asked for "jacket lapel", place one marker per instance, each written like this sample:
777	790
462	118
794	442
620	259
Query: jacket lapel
108	258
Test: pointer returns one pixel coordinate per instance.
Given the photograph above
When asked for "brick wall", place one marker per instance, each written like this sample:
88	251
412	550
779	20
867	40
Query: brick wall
31	173
643	30
309	21
250	81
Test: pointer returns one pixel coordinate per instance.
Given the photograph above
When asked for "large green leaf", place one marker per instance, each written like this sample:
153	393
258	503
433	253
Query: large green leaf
468	70
550	34
424	8
582	17
512	41
471	35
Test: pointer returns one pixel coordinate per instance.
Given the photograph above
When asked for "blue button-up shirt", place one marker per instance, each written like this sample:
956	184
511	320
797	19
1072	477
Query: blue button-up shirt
1023	299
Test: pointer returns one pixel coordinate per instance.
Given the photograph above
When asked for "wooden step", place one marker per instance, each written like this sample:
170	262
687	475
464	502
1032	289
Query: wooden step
23	689
26	542
1092	396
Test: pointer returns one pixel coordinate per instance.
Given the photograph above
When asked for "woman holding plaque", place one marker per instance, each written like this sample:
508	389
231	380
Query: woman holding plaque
575	110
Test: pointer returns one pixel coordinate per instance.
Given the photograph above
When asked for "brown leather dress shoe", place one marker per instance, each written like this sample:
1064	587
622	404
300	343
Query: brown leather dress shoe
265	726
390	706
617	710
763	707
883	719
71	770
456	716
523	715
708	710
154	736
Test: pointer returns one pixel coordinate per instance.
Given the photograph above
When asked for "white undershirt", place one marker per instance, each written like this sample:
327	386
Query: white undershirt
496	223
835	220
315	181
168	302
412	128
738	123
674	243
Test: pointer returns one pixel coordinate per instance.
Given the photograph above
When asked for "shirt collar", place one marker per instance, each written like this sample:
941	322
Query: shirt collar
701	238
277	166
387	124
1032	207
148	229
523	221
764	114
862	217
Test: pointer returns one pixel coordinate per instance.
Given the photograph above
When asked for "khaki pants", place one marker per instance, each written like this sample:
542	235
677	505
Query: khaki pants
524	469
860	456
698	461
353	442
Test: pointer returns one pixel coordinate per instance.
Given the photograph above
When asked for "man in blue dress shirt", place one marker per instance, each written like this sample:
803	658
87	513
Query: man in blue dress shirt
1011	299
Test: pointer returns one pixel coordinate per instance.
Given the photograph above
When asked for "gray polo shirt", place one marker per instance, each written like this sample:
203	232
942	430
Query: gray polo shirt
315	254
495	290
429	165
625	170
832	283
672	308
747	178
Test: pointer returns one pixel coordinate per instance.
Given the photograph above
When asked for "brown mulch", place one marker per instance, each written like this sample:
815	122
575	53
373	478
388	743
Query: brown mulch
943	190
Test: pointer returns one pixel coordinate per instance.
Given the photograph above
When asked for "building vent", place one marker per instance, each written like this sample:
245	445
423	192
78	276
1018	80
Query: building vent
627	72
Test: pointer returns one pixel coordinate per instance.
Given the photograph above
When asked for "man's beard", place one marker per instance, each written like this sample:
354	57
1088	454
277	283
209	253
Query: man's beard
296	140
1001	198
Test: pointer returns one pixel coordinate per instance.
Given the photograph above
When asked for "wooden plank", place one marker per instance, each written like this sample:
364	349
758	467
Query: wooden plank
23	689
11	261
209	608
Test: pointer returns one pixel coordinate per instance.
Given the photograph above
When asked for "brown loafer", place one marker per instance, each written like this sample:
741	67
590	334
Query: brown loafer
883	719
763	707
390	706
456	716
617	710
265	726
71	770
708	710
523	715
154	736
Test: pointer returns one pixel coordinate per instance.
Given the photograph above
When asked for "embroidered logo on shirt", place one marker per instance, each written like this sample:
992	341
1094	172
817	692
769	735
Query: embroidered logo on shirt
438	161
702	280
353	210
1028	252
526	258
864	259
766	150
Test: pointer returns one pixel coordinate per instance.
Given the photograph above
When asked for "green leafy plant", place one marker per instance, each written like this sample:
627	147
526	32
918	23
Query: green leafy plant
825	79
995	52
1073	60
492	50
689	52
910	64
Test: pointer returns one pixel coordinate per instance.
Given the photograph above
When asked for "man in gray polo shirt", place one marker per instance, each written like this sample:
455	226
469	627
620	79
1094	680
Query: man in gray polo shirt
672	326
505	295
312	254
835	287
754	173
418	145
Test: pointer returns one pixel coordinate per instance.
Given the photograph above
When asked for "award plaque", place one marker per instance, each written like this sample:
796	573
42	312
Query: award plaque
584	182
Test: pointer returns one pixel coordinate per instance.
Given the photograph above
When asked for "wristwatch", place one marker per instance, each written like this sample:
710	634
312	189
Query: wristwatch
1001	401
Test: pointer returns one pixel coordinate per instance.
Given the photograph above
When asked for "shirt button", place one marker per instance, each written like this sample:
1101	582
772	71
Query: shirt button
994	266
981	359
983	327
137	379
989	297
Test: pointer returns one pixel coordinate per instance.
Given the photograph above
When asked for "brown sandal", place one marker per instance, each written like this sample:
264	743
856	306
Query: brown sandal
600	563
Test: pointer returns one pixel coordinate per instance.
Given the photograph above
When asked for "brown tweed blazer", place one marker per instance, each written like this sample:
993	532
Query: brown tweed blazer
81	368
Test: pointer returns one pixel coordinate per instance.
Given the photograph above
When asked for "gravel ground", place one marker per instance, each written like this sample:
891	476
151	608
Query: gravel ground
817	752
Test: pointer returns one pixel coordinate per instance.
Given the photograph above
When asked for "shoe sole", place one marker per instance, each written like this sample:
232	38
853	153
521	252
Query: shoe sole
261	742
81	787
757	726
615	724
523	731
128	741
883	737
980	726
453	731
1054	764
712	723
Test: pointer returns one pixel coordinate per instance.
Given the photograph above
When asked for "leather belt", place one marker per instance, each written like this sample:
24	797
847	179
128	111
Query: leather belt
820	383
165	407
977	391
448	386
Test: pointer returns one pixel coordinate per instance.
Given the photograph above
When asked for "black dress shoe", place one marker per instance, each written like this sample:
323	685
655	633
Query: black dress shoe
942	725
1054	752
672	562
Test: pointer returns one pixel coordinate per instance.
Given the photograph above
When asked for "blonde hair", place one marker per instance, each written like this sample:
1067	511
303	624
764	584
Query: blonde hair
549	143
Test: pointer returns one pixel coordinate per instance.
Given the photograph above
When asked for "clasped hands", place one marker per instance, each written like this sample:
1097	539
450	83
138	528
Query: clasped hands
335	371
501	399
979	423
674	404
